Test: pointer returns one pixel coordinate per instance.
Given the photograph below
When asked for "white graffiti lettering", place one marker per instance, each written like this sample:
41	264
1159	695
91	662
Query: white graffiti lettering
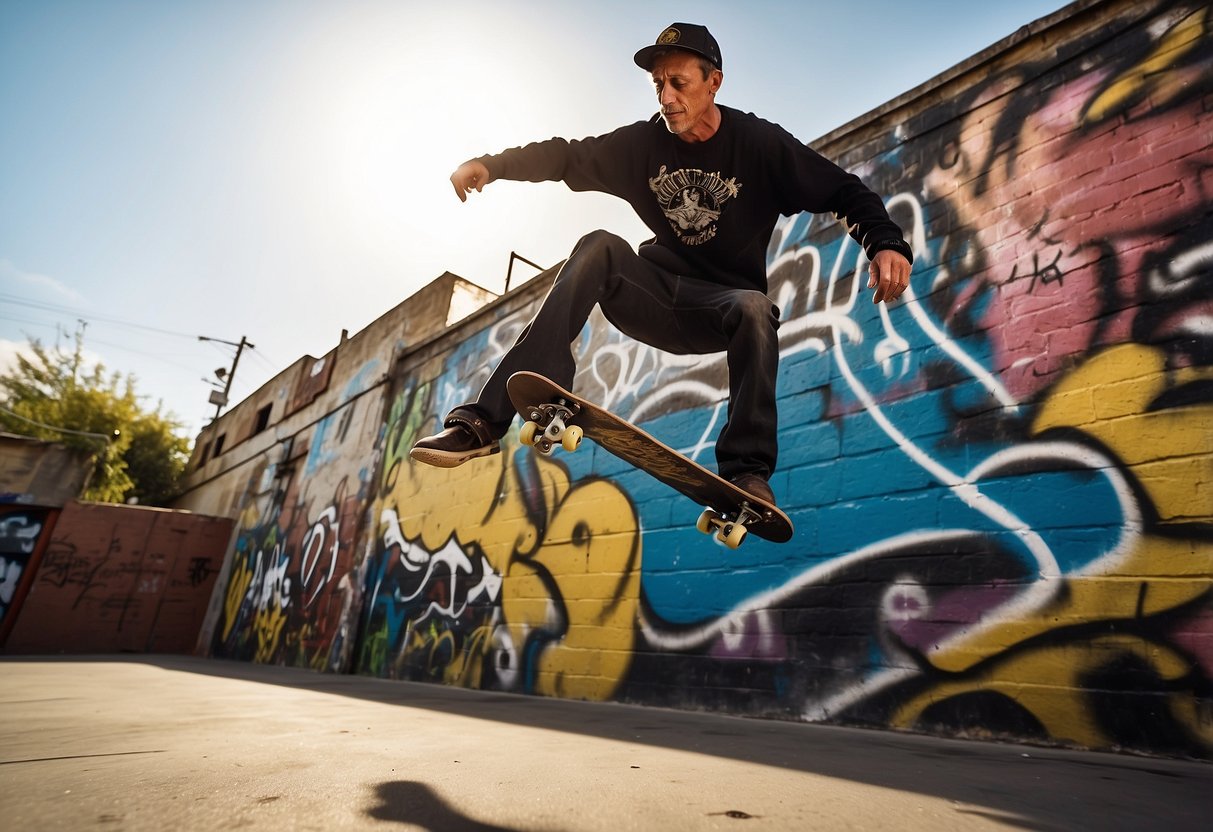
316	545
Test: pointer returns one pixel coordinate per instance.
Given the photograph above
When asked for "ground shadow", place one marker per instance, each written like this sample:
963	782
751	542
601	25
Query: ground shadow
406	801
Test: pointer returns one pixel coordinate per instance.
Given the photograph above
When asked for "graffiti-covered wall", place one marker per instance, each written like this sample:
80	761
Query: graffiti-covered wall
1002	486
287	595
293	466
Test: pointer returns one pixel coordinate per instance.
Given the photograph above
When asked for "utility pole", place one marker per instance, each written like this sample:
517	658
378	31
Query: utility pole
219	398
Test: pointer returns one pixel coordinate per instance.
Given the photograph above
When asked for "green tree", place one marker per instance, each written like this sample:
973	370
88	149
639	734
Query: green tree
137	453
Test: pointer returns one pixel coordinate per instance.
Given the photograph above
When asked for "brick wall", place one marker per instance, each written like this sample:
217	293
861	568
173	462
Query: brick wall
116	579
1001	486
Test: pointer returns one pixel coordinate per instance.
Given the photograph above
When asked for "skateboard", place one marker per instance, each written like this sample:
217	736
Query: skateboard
554	416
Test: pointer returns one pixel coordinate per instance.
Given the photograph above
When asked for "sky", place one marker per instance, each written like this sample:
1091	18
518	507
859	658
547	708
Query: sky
279	169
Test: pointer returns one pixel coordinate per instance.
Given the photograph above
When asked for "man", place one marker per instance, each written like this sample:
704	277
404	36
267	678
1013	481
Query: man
710	185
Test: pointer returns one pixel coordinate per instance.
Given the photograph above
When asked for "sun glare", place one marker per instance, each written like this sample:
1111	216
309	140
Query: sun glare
379	112
371	115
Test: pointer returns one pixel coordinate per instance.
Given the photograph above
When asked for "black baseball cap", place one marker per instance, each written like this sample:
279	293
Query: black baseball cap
688	36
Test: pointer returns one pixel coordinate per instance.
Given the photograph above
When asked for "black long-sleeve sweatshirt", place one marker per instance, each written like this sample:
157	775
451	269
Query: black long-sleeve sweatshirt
711	205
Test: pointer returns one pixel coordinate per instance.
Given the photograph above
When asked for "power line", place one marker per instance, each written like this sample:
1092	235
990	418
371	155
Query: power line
152	356
30	321
85	318
67	310
267	361
103	437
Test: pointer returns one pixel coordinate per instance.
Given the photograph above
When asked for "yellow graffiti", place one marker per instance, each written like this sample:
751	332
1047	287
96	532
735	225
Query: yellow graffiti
1111	398
1157	77
267	626
1168	452
591	552
466	667
575	577
1049	682
237	589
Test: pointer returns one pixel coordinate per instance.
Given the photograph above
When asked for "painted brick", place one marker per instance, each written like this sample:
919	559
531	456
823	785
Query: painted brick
858	481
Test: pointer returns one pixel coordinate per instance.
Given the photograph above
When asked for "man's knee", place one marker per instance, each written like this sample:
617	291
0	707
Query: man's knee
599	243
753	309
596	257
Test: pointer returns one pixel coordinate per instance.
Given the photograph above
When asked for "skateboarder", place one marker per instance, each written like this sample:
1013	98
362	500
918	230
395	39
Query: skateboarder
710	182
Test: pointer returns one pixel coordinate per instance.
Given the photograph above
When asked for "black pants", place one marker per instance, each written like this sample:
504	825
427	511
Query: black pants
678	314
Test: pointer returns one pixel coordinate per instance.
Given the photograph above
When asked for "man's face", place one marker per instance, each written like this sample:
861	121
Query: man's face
686	97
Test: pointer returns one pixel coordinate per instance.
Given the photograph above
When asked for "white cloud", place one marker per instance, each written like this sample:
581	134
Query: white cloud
10	274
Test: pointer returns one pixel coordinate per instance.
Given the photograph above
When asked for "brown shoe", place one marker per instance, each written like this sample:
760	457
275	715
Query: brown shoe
755	485
465	437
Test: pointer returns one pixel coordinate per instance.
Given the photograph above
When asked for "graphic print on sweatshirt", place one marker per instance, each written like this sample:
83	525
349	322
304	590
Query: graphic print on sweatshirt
692	201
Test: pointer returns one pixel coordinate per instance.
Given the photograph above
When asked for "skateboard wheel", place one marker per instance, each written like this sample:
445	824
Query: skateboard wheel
704	523
733	535
571	440
529	432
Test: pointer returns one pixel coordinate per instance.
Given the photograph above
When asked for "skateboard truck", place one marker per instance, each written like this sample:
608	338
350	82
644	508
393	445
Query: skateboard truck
547	425
730	531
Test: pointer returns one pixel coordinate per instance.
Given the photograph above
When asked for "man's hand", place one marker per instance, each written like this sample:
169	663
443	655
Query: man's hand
890	276
468	177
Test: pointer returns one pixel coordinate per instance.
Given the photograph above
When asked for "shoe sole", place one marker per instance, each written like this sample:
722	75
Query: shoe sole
451	459
758	495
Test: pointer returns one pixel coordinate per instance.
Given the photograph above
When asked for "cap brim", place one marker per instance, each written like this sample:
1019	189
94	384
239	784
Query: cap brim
644	58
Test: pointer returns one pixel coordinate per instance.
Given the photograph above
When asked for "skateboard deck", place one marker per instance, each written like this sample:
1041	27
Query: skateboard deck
554	416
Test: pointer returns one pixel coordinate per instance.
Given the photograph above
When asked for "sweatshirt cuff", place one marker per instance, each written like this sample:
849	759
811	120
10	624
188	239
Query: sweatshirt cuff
488	161
891	244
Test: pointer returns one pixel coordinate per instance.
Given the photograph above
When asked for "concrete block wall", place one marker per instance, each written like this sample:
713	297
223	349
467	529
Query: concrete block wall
1001	487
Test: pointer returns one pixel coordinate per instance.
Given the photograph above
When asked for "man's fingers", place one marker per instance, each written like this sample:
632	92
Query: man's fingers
890	287
468	177
890	276
460	181
879	281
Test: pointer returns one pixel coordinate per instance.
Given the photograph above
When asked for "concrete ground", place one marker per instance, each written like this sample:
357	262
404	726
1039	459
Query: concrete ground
183	743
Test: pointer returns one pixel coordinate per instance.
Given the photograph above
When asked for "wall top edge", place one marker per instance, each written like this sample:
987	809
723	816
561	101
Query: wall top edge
986	56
